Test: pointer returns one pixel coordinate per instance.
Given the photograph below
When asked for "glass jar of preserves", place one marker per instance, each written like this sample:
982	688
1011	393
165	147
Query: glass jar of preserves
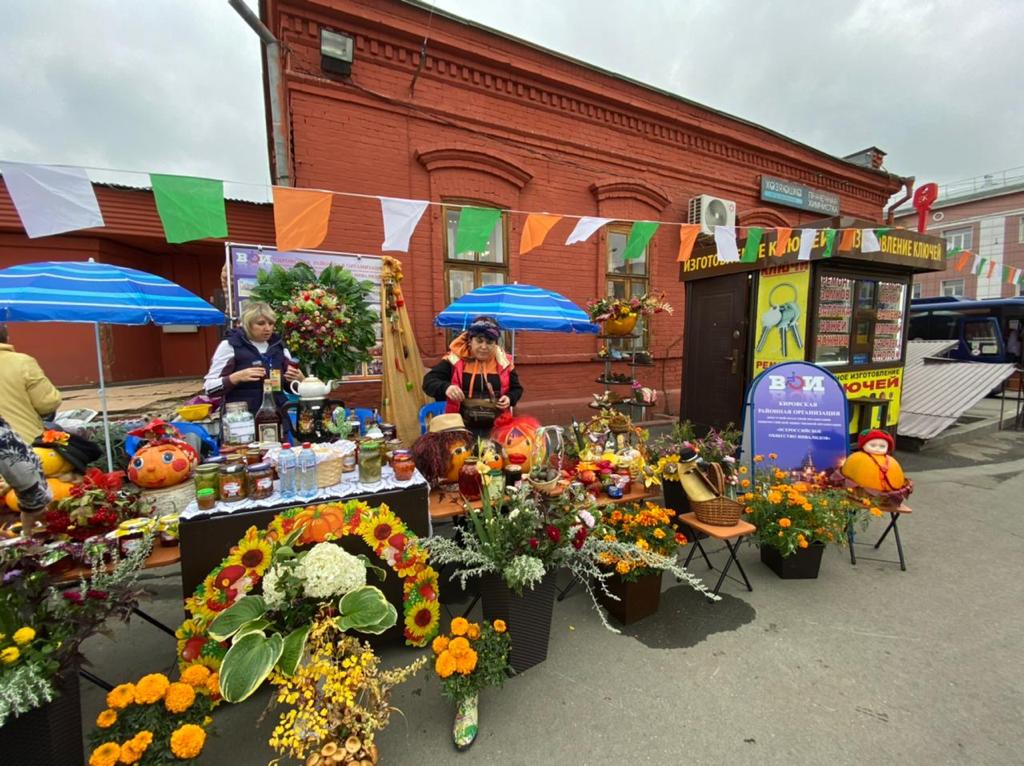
237	424
389	450
403	465
207	476
260	481
206	498
232	481
369	462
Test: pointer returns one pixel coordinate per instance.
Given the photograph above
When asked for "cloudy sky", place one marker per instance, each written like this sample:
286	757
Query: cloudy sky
175	85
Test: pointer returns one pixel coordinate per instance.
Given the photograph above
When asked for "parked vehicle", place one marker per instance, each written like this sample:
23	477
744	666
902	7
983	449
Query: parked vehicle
981	328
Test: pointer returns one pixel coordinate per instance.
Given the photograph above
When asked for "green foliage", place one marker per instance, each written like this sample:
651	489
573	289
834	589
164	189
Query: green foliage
366	610
248	663
280	287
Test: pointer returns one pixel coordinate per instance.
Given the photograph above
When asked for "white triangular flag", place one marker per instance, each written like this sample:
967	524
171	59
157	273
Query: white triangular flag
585	227
869	241
806	243
725	243
400	219
51	199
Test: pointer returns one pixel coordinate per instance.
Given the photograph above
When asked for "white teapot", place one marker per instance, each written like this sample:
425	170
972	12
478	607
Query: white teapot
312	388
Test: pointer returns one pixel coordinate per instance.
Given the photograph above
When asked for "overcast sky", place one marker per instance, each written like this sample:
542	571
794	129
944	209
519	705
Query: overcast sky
175	85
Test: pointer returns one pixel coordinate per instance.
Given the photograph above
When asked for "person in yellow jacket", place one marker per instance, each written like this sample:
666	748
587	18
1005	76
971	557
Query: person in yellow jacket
26	394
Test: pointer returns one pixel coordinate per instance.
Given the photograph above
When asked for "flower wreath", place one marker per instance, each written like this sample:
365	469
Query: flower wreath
246	563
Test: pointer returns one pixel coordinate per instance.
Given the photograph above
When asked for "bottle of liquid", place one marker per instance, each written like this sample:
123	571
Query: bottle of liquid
307	472
268	419
287	469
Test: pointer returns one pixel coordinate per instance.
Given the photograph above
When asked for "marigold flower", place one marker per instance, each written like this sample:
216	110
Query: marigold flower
151	688
772	456
803	543
744	483
473	631
807	507
187	741
9	655
757	459
875	511
121	696
105	755
129	754
179	698
439	644
142	740
23	636
743	468
622	567
213	684
458	646
445	664
106	719
466	663
196	675
680	538
779	474
499	626
785	523
459	626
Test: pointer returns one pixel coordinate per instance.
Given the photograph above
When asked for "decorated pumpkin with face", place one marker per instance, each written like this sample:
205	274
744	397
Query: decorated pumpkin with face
441	453
54	463
458	451
516	437
161	465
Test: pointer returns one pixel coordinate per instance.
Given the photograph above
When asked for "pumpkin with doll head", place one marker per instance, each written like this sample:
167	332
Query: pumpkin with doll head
874	472
164	460
516	435
441	452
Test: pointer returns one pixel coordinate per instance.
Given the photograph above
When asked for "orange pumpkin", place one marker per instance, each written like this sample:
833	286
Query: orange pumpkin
58	488
161	465
317	523
491	457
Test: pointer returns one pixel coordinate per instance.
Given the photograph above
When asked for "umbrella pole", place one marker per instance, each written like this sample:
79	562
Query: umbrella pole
103	398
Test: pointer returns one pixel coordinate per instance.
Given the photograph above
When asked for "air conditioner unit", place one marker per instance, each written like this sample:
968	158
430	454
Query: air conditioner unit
710	212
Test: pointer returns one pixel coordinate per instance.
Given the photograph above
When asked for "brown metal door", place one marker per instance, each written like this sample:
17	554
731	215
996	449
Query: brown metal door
715	350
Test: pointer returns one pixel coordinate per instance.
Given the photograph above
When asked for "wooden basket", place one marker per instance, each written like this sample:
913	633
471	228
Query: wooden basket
161	502
328	472
720	511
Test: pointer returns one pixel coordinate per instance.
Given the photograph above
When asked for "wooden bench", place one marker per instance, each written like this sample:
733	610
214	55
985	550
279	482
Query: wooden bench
728	535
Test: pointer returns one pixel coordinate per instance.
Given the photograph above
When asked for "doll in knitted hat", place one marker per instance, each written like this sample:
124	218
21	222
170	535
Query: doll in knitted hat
874	471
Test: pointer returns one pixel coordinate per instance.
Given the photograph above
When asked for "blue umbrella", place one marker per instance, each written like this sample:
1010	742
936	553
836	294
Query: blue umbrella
518	307
68	291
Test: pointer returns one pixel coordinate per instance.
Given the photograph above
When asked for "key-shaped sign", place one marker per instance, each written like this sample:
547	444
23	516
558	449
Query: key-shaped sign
790	318
769	319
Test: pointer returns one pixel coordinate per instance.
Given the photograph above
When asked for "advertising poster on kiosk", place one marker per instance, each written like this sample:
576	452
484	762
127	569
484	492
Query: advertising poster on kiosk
781	318
797	411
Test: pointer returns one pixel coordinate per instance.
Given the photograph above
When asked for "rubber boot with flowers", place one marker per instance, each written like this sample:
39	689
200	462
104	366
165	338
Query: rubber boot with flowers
466	717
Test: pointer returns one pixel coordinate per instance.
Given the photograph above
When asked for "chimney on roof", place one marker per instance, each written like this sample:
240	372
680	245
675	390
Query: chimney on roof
872	157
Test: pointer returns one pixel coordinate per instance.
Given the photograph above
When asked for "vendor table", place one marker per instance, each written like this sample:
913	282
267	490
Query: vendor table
445	506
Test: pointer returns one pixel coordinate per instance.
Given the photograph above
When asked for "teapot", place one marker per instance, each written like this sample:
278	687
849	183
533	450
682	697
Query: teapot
312	388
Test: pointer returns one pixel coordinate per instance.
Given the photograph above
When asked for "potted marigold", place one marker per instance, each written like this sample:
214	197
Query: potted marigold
795	518
633	591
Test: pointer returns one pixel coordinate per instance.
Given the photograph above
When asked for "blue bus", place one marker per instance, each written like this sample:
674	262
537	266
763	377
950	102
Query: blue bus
985	331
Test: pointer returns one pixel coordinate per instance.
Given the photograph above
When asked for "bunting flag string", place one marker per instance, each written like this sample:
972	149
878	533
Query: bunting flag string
300	218
846	242
725	242
51	199
189	208
474	229
782	236
535	230
752	245
640	234
585	227
400	219
869	241
992	267
687	238
806	244
830	238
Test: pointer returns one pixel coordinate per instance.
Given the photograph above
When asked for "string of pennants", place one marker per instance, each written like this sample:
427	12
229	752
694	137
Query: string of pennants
987	267
54	199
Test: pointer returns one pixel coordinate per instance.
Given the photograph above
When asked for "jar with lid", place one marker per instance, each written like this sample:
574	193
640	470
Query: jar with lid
206	498
513	474
254	453
260	481
237	424
403	465
232	481
389	450
369	462
206	477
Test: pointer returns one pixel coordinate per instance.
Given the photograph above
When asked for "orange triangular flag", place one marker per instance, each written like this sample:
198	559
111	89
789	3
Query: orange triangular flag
782	235
846	241
991	268
300	218
962	259
687	236
535	229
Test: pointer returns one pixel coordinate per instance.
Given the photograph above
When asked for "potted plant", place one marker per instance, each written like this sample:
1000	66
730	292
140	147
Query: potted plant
795	518
619	315
718	446
95	506
636	584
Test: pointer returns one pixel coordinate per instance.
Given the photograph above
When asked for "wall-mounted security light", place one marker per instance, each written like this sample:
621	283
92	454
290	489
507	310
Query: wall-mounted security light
336	52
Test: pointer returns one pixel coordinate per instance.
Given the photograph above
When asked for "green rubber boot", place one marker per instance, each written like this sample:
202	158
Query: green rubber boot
465	729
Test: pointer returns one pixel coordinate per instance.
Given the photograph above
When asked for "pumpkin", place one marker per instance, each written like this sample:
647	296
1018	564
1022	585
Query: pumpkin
318	523
58	488
459	451
491	457
866	471
164	464
54	463
516	435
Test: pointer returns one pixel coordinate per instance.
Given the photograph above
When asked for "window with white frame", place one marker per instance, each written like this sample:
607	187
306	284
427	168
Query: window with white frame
1020	233
953	288
916	290
961	239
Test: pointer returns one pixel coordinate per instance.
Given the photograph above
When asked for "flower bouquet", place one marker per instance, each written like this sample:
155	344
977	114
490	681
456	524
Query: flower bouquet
154	721
612	308
94	506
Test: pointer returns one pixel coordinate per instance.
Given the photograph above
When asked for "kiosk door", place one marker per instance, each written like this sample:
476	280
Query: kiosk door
715	350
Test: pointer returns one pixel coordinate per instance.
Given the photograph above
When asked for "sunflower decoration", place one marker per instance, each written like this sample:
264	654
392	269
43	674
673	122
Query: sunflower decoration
377	528
254	552
424	583
422	622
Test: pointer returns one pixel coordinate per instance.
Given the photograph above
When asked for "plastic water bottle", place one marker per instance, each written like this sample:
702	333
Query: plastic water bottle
287	468
307	472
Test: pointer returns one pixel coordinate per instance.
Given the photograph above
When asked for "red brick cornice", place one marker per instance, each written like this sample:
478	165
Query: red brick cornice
630	188
461	158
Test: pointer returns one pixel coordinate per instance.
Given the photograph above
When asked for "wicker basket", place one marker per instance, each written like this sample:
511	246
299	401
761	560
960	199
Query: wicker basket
328	471
161	502
720	511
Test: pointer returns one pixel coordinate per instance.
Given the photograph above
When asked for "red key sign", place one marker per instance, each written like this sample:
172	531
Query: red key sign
924	198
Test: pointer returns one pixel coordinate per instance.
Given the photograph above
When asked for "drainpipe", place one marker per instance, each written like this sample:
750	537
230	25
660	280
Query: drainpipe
908	183
275	92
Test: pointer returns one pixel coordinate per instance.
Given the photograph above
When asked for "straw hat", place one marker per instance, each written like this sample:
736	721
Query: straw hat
448	422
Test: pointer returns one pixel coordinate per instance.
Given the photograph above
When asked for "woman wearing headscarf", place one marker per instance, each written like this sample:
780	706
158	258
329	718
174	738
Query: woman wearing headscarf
475	368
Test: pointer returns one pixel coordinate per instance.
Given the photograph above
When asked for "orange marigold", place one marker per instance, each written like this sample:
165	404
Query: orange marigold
179	698
785	523
439	644
187	742
466	663
459	626
106	719
875	511
458	646
744	483
213	684
499	626
473	631
623	567
151	688
105	755
445	664
803	543
121	696
195	675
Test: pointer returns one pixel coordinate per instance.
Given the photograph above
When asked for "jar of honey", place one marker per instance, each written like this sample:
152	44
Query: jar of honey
232	481
403	465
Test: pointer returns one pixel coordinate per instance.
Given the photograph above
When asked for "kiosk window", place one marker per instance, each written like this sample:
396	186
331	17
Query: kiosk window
859	320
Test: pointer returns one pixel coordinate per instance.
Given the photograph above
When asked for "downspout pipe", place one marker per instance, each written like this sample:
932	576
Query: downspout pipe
275	93
908	184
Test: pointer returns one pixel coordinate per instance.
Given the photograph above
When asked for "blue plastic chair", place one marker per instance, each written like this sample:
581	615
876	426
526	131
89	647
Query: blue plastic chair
132	443
428	411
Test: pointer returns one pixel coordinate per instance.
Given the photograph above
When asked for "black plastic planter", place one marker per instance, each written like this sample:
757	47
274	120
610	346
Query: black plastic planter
528	617
637	599
50	735
675	498
802	565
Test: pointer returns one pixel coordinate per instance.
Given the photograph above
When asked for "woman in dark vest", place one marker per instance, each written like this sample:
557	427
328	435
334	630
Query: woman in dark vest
475	367
247	355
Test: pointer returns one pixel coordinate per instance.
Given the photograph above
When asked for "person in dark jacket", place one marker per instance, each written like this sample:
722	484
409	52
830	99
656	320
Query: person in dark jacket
246	356
475	367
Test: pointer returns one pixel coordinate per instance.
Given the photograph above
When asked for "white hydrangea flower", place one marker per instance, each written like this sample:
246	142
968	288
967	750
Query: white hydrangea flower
328	570
271	595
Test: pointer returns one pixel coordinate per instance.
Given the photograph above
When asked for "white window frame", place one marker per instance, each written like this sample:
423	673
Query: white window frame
962	238
949	288
1020	233
916	290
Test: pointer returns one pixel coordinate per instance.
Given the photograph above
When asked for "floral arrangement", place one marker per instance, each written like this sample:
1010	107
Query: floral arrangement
154	721
42	625
94	506
336	701
247	564
325	319
718	446
610	307
791	513
649	528
472	657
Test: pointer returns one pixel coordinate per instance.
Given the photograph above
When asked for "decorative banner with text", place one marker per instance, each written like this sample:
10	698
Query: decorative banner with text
878	384
782	302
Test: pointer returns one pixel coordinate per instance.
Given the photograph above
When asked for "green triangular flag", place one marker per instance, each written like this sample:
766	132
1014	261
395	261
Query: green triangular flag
954	251
830	239
475	227
750	249
980	265
639	235
189	208
883	231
